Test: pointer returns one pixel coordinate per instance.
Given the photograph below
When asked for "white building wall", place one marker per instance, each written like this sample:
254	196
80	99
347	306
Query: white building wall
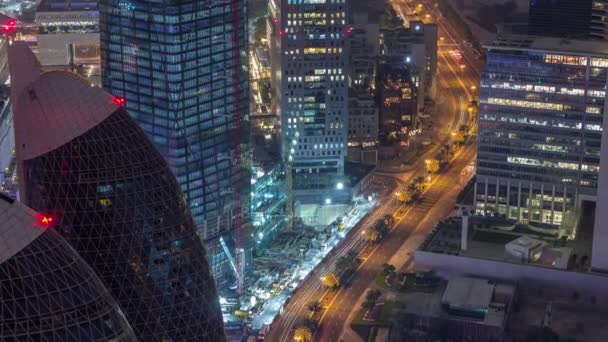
587	284
599	252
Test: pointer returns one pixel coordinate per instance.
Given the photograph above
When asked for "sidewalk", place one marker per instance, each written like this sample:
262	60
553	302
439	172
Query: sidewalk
348	334
403	259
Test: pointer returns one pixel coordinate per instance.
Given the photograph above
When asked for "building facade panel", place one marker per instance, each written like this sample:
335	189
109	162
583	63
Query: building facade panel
120	207
540	127
47	291
115	200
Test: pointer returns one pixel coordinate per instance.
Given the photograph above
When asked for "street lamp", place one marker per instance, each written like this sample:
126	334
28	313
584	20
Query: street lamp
328	201
473	87
340	186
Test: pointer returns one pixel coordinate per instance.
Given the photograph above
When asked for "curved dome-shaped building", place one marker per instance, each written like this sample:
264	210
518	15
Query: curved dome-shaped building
85	161
47	292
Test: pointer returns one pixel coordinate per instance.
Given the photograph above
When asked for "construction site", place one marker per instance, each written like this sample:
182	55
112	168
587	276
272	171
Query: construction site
289	238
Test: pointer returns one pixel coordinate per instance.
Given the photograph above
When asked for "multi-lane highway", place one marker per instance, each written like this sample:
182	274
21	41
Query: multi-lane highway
456	87
437	202
455	83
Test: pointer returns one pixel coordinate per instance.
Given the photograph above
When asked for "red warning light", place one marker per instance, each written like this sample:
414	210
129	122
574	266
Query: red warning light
120	101
275	20
10	26
348	30
45	220
282	33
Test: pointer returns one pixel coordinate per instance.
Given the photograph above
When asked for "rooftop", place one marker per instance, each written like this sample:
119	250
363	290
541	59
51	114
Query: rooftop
66	5
548	44
468	299
463	292
54	107
19	226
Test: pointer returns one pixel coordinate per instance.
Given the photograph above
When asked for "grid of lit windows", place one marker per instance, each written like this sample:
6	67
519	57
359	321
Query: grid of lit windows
314	90
540	128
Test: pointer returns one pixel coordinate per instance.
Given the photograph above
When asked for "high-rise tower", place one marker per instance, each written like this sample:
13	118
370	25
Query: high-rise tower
181	67
83	160
569	18
314	95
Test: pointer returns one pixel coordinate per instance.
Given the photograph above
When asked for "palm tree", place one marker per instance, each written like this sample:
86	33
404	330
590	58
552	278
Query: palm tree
330	280
314	306
381	228
405	197
348	261
303	334
371	235
372	295
432	166
388	218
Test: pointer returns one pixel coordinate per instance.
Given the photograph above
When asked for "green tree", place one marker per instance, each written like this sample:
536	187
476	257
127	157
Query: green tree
303	334
432	166
330	280
314	306
371	235
371	298
260	29
387	269
413	190
404	197
381	228
389	219
348	261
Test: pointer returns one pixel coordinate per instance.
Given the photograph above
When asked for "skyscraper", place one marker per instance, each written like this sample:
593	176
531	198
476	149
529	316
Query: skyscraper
540	126
181	67
314	95
47	292
568	18
82	159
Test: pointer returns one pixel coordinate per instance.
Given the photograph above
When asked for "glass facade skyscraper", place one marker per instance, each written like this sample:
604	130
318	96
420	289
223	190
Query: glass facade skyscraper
540	127
181	67
314	94
82	159
47	292
561	18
